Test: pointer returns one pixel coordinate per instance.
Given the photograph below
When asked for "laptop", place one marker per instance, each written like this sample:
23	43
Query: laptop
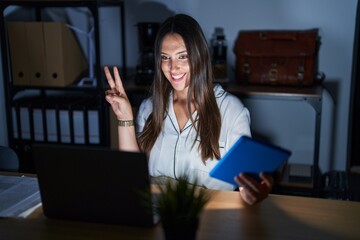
93	184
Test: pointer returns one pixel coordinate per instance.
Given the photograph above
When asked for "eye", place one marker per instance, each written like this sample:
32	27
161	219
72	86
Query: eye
183	56
164	58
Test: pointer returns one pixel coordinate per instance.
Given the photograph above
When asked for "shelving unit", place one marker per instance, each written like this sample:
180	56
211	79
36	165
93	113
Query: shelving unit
40	117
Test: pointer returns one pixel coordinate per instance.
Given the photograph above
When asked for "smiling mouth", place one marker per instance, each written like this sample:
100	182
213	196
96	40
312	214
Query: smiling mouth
178	77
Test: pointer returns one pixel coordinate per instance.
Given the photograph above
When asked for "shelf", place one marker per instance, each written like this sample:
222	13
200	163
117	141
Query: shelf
90	106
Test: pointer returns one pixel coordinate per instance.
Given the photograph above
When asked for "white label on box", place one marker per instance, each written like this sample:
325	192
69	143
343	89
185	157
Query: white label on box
38	125
79	130
64	126
51	125
93	121
25	123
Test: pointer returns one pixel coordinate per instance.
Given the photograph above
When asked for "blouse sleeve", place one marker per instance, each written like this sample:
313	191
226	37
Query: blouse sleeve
235	121
142	114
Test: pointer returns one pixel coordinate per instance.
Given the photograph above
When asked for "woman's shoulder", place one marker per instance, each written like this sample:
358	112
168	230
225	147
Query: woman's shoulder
235	116
146	107
147	102
224	98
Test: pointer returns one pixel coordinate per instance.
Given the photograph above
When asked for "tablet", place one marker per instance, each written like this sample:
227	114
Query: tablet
249	156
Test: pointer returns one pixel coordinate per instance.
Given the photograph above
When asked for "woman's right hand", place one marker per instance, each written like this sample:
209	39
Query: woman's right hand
117	97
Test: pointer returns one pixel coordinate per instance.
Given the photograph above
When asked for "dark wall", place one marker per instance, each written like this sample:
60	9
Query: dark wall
354	125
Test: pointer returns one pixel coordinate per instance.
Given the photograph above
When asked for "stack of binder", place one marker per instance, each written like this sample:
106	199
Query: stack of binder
57	120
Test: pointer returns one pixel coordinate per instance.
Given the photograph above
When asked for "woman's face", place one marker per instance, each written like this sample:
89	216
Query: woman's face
174	62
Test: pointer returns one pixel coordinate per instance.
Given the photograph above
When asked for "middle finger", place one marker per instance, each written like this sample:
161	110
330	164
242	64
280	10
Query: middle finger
118	81
109	77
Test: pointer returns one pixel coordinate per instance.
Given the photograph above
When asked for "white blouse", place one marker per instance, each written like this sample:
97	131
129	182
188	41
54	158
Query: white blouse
174	153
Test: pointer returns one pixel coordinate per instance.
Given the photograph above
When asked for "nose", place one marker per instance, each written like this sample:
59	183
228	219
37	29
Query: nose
174	65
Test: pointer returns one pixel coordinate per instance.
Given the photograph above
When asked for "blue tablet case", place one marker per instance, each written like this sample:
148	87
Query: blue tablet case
249	156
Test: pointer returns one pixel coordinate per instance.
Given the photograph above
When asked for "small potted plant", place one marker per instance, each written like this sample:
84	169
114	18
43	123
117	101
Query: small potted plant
179	205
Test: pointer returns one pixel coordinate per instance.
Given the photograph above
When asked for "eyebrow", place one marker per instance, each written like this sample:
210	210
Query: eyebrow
184	51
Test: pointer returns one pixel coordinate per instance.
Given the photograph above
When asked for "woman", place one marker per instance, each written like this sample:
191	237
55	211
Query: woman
188	123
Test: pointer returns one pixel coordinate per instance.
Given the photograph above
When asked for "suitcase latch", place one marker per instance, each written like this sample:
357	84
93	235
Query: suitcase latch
273	73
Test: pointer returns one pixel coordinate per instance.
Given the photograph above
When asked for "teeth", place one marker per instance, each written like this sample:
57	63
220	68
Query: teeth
177	76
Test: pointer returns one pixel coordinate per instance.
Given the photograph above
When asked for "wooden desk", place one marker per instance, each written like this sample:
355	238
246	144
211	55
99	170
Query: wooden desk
225	217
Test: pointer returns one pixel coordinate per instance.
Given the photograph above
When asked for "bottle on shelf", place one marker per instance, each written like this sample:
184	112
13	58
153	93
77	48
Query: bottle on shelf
219	54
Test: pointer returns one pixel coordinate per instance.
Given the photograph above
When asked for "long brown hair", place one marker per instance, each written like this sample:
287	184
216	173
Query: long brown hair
208	123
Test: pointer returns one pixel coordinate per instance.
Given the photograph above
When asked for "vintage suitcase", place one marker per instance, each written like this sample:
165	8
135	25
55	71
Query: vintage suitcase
277	57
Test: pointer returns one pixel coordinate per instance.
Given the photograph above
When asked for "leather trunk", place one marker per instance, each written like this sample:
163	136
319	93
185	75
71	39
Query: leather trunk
277	57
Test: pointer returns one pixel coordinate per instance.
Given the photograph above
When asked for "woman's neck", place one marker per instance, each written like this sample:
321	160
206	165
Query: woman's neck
180	96
180	103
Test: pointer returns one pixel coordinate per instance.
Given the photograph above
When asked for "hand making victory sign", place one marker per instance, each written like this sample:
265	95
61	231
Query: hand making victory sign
117	97
121	106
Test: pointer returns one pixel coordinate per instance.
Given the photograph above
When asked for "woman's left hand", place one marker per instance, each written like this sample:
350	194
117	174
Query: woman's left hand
253	191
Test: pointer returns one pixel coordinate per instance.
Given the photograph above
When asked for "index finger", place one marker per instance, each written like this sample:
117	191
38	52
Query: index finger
109	77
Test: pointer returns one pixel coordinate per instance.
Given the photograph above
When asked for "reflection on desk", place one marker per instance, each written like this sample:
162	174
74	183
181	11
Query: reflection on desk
225	217
18	195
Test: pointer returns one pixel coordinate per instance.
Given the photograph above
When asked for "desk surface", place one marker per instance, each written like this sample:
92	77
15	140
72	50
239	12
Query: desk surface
225	217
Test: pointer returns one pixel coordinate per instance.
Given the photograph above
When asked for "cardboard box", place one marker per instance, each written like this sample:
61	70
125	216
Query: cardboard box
45	54
36	53
65	60
18	53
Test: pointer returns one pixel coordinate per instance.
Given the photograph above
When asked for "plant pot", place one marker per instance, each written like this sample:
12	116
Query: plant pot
183	231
